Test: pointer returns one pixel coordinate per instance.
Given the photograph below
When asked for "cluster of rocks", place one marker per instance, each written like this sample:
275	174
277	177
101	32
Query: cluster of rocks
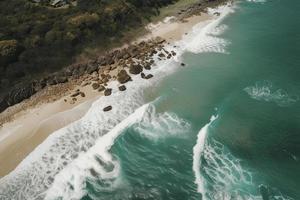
115	65
198	8
121	64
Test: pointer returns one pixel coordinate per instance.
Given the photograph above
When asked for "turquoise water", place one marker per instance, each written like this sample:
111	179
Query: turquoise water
253	90
224	127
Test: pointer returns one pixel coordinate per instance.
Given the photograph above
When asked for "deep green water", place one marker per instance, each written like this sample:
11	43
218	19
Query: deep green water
253	90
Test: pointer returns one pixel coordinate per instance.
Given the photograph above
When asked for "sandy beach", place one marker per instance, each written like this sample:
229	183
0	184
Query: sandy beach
29	127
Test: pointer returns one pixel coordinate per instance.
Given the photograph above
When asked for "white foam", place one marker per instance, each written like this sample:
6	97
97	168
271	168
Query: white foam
203	37
197	153
160	125
78	172
266	91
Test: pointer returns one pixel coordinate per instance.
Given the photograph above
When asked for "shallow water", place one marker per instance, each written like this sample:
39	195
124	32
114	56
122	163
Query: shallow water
221	127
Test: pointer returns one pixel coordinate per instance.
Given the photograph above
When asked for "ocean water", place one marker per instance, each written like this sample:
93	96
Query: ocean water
224	127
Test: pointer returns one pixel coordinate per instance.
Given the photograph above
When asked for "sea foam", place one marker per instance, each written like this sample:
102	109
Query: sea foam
266	91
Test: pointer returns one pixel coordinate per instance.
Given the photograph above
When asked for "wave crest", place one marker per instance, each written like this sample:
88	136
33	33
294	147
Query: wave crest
265	91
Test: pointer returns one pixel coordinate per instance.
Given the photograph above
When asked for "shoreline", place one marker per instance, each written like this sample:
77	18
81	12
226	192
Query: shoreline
21	134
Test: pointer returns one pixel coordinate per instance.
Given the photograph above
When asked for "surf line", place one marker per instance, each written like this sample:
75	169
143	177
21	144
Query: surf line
197	153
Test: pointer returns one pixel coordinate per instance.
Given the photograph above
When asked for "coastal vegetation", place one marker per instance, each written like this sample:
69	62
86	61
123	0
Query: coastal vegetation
37	38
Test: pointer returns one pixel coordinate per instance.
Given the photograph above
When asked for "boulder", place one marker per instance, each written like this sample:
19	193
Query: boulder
135	69
161	55
101	88
123	77
148	76
107	92
122	88
147	66
142	75
95	86
182	64
107	108
82	94
91	67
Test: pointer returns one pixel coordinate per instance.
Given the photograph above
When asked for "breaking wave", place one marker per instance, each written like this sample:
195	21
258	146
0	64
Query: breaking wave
204	36
266	91
157	125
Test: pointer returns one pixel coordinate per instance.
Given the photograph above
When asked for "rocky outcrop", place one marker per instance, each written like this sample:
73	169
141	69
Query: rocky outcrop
123	77
135	69
96	72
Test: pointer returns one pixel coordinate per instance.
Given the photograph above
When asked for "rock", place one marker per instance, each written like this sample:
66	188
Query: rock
122	88
169	56
148	76
173	53
75	94
82	94
217	13
142	75
95	86
161	55
135	69
123	77
74	99
61	79
91	67
107	108
147	66
101	88
182	64
85	84
107	92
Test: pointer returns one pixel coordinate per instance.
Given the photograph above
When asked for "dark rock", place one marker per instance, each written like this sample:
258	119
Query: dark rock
107	108
169	56
135	69
217	13
82	94
91	67
61	79
107	92
148	76
95	86
147	66
101	88
161	55
142	75
122	88
75	94
182	64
